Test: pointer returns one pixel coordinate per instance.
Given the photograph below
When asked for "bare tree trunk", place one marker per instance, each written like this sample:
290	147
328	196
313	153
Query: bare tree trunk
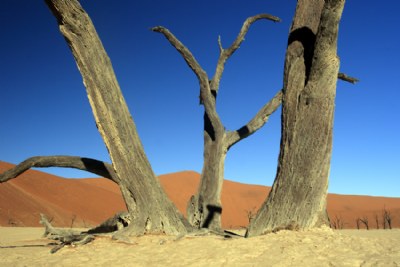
377	221
364	220
387	219
148	205
205	208
298	195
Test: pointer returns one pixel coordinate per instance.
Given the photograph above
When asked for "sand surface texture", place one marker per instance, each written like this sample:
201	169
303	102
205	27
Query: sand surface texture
319	247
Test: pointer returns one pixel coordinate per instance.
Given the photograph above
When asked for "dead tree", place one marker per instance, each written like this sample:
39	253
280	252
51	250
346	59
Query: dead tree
358	223
151	211
337	222
387	219
149	207
377	221
298	195
204	209
364	220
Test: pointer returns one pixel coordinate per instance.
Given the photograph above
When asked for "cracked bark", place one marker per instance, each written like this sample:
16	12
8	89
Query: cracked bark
150	209
298	195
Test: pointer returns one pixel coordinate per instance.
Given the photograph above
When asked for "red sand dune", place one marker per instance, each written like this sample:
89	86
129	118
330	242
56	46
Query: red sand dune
87	202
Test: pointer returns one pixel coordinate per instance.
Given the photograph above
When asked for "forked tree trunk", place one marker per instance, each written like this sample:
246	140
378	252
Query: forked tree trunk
204	208
298	195
150	209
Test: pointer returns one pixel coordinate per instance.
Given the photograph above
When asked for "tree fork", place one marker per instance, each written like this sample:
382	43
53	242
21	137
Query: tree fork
204	209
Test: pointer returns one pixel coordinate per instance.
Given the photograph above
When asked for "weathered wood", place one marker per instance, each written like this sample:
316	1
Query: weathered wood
85	164
204	209
64	236
151	210
115	223
344	77
298	195
75	238
256	122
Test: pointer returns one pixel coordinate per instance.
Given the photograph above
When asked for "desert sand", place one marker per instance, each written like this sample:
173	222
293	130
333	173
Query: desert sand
24	246
87	202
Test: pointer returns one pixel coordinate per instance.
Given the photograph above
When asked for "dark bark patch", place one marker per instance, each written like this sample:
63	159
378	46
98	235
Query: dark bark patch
307	38
212	211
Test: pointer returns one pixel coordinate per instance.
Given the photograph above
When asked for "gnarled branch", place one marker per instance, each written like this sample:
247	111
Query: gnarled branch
86	164
226	53
256	122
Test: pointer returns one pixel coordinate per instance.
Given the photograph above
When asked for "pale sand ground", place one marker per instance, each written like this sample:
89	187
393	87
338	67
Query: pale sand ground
320	247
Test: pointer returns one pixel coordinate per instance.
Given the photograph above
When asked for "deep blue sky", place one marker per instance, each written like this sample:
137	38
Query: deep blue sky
44	108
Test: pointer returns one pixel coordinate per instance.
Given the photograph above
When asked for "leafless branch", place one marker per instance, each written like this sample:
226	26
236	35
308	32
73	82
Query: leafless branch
209	89
251	214
64	236
86	164
337	222
186	54
226	53
257	121
221	49
387	219
206	97
342	76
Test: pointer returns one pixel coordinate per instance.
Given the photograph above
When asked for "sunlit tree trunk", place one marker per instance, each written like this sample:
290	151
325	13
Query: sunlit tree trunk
298	195
148	205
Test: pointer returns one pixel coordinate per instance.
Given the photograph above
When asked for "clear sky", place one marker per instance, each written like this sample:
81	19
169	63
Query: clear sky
44	108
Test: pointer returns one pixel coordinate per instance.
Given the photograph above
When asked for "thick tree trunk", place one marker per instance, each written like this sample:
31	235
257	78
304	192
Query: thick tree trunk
298	195
150	209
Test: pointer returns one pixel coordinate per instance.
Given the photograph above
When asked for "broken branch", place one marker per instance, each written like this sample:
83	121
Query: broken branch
342	76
